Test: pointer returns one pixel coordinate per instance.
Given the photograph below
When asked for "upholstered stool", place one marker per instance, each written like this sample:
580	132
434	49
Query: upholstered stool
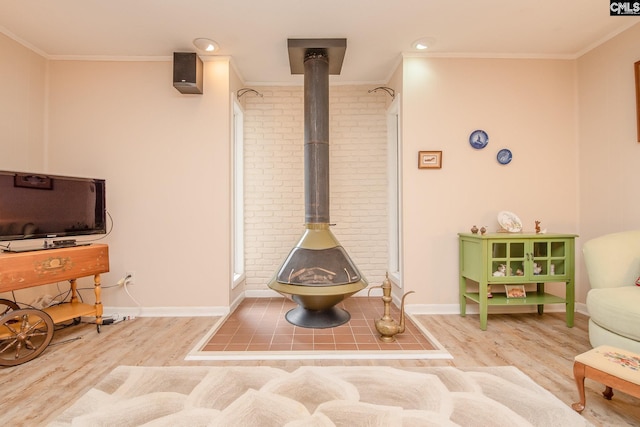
613	367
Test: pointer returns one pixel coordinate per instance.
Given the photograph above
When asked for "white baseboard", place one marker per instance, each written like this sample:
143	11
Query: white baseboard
261	293
165	311
217	311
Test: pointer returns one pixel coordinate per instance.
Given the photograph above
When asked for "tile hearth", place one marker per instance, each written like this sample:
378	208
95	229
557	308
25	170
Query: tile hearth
258	325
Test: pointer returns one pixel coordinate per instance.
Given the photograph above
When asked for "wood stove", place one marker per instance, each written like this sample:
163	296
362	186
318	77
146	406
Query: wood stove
318	273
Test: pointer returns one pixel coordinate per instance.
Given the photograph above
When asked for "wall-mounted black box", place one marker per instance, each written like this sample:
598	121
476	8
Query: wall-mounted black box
187	72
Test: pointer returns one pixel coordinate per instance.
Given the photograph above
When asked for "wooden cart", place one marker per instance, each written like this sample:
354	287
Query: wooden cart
26	332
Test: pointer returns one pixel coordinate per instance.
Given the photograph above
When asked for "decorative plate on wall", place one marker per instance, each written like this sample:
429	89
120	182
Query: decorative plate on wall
478	139
504	156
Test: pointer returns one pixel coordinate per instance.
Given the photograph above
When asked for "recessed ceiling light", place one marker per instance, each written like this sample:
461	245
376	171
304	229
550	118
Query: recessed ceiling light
423	43
206	45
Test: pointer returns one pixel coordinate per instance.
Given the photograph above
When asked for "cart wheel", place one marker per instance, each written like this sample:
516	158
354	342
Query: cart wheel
24	334
6	305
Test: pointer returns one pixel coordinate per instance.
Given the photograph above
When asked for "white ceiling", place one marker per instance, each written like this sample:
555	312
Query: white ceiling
254	33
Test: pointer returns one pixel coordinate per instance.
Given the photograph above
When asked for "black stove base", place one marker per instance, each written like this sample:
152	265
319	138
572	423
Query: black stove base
317	319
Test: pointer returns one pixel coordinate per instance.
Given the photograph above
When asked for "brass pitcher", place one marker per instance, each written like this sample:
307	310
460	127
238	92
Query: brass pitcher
386	326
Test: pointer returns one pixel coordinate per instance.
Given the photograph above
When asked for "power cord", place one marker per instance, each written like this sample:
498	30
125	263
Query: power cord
126	289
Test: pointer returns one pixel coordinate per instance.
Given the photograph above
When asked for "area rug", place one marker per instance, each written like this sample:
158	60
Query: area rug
317	396
257	330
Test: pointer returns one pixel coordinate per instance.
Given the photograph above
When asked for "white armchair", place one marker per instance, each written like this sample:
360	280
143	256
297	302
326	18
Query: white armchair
613	266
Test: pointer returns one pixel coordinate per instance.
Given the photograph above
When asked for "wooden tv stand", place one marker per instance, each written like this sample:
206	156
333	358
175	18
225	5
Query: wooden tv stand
29	269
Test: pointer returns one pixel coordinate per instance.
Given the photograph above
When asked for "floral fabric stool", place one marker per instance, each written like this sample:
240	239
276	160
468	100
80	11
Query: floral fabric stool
613	367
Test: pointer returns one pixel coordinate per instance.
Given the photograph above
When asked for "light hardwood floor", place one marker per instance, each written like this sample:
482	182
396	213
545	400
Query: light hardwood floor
541	346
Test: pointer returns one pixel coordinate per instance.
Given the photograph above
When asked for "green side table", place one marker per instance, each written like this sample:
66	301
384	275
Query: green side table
496	259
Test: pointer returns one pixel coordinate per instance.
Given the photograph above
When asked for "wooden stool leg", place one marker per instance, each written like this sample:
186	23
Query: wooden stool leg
578	374
608	393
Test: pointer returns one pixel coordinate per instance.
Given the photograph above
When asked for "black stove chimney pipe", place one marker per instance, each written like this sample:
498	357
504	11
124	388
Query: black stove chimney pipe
316	136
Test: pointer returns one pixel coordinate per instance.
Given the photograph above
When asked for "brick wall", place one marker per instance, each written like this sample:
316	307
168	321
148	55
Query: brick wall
274	181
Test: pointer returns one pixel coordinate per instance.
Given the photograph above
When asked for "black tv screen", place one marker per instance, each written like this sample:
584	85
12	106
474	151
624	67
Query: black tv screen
34	206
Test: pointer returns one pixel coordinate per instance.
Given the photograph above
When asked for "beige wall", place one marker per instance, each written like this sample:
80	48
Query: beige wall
167	158
609	151
527	106
22	107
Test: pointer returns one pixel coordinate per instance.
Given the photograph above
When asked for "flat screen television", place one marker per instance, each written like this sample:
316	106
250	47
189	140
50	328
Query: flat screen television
38	206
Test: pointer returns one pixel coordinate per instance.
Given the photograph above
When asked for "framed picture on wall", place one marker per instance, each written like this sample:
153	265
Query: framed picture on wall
430	159
637	75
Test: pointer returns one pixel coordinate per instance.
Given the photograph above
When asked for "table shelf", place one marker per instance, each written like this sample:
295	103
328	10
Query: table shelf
72	310
532	298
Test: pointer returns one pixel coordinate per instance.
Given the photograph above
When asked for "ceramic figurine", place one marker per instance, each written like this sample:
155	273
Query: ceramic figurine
474	229
483	230
501	271
519	272
537	269
537	227
489	294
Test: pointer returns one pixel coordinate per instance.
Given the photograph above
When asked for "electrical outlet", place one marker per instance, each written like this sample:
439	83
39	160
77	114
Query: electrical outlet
131	277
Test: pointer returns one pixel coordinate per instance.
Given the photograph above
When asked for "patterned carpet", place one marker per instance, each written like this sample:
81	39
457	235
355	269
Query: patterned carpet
317	396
